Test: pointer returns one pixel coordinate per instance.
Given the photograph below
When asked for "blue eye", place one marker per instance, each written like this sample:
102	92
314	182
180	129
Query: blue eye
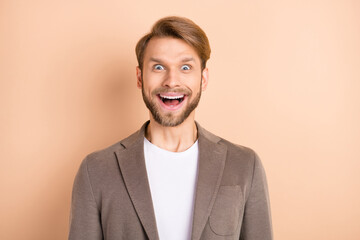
185	67
158	67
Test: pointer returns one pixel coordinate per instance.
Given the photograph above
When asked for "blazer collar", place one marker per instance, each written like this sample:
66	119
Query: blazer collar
212	155
140	134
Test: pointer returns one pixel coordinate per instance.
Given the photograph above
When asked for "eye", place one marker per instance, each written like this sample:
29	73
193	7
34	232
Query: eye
185	67
158	67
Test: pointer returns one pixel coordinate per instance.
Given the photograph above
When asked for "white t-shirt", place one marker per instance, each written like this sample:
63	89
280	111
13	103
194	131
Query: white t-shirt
172	178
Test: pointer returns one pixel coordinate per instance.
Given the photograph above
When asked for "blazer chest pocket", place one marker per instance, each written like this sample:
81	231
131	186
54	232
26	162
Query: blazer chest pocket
225	215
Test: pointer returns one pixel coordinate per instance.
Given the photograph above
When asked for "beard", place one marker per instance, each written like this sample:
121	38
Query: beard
170	119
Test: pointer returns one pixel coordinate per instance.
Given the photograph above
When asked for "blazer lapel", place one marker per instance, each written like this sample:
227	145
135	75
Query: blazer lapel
212	157
133	169
131	160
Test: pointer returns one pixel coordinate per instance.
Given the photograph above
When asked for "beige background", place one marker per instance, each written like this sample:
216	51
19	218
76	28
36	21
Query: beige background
284	80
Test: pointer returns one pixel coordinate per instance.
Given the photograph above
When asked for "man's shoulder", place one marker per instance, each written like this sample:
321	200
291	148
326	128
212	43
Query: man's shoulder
240	162
233	149
108	154
239	154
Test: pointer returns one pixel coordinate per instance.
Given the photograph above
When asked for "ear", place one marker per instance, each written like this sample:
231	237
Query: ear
204	79
138	78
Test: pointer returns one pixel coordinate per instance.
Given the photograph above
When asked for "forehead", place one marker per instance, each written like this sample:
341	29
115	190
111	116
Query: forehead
169	49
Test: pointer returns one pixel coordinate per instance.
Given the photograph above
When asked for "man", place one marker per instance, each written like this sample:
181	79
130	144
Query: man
172	179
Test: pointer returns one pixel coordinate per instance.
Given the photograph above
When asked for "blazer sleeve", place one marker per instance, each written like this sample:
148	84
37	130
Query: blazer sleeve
257	216
85	222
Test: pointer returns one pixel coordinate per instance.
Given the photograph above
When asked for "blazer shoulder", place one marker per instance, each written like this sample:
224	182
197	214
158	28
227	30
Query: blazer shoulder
239	150
235	152
102	154
242	164
231	147
108	154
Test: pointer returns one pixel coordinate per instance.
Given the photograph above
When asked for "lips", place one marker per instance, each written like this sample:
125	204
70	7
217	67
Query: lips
171	101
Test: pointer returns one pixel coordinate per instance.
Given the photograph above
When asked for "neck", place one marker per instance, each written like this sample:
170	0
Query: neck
175	139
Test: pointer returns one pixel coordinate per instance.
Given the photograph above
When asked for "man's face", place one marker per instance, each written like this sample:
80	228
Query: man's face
171	80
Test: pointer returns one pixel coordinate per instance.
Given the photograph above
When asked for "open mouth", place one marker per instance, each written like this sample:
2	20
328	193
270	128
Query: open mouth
172	101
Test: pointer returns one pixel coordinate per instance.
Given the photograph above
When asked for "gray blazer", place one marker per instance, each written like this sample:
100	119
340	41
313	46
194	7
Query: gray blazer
111	197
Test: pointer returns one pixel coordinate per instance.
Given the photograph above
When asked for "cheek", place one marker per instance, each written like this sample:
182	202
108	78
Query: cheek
151	80
196	84
196	90
146	81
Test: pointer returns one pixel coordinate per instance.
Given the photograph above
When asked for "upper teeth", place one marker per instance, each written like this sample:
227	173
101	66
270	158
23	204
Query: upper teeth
172	97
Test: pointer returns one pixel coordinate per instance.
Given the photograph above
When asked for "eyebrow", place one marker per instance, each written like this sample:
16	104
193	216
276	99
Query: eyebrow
187	59
154	60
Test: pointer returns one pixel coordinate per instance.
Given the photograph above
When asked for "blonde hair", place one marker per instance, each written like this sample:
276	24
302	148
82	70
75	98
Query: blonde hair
176	27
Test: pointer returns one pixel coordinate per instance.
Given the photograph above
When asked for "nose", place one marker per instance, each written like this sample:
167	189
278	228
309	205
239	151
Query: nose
172	79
